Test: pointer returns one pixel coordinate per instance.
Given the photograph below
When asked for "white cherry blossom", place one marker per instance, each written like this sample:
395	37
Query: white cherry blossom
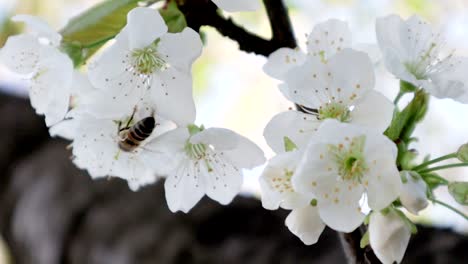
415	53
81	95
97	136
149	62
325	40
202	162
342	163
47	71
389	236
277	190
342	89
413	192
238	5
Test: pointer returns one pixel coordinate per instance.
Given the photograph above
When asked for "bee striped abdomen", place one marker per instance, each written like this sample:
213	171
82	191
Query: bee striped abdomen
137	133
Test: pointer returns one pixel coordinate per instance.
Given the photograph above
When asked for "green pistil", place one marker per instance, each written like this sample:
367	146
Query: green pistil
335	111
322	56
147	60
350	159
195	151
39	73
418	69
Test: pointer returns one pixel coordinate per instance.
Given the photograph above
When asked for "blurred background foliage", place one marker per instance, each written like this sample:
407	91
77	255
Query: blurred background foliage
232	91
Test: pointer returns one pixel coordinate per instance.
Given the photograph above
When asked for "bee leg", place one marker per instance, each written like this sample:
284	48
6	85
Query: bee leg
131	118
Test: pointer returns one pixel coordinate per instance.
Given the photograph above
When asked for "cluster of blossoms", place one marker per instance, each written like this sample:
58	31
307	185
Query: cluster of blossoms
335	164
131	114
339	162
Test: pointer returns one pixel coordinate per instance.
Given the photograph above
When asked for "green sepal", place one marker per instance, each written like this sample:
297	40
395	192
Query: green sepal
194	129
364	240
459	192
433	180
289	145
462	153
404	122
406	87
413	228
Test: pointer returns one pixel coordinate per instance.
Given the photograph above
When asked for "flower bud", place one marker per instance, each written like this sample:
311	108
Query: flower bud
413	192
462	153
388	236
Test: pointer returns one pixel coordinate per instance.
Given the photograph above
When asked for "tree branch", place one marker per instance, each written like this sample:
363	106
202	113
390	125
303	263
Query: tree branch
204	13
281	28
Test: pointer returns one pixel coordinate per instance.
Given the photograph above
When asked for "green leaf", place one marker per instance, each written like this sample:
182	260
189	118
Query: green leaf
459	191
87	32
289	144
364	240
175	19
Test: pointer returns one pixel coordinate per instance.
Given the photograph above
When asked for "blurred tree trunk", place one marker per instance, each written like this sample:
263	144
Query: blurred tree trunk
51	213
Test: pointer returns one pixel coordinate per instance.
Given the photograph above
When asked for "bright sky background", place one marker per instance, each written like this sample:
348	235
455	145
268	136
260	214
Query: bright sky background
232	91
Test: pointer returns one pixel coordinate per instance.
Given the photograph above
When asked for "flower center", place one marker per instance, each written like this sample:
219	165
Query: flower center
147	60
334	110
350	159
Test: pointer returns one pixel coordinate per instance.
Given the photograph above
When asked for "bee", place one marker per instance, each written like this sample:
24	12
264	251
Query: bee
130	137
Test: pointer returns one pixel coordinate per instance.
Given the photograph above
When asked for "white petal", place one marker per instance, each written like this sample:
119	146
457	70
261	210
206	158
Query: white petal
65	129
383	178
373	110
181	49
352	75
135	172
223	179
81	88
388	236
395	64
297	126
328	38
275	183
110	105
282	60
244	154
338	201
144	25
238	5
94	147
388	33
371	49
50	87
21	53
413	193
219	138
142	177
40	28
172	93
112	70
307	83
452	82
416	37
306	224
185	186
